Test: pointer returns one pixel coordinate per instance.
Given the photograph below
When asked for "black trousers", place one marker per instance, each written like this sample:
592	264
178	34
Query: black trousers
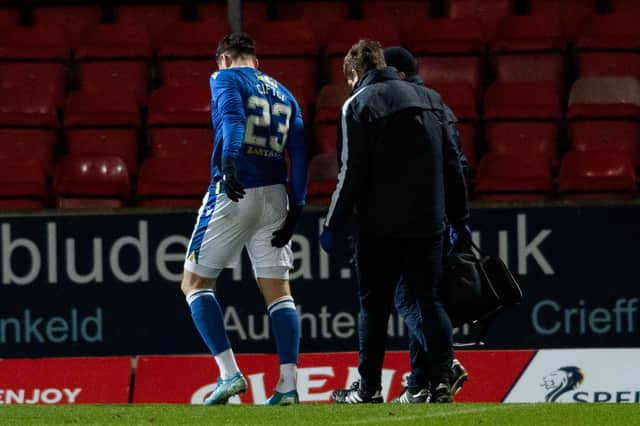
381	263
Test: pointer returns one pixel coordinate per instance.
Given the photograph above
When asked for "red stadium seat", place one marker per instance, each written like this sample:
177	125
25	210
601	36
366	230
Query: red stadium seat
611	136
48	77
34	145
323	174
330	100
608	64
9	17
605	97
178	73
115	76
534	100
180	142
404	12
609	32
74	20
173	182
447	36
343	35
326	135
513	177
530	67
460	98
572	12
523	139
624	7
487	11
105	109
596	174
288	52
468	141
534	33
217	12
181	106
23	185
318	15
189	40
436	70
115	41
26	107
155	17
91	181
34	43
121	143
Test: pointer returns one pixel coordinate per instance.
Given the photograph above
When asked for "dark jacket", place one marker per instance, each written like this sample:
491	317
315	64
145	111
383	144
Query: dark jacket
397	155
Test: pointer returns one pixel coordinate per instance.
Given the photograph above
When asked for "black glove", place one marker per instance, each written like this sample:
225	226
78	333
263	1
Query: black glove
282	236
230	184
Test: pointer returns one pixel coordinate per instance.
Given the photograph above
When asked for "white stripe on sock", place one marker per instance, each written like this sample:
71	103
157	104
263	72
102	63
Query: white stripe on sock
284	302
198	293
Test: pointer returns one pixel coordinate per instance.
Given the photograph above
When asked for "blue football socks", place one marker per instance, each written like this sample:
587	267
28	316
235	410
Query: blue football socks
285	325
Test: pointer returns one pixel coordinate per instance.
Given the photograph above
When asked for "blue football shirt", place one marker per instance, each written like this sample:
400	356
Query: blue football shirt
256	120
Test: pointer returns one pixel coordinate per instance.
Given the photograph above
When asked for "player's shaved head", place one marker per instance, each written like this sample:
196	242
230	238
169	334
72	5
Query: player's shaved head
236	46
363	56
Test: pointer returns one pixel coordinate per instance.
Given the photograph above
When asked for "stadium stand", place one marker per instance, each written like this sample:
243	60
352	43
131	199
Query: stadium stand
42	43
114	77
609	32
509	177
604	135
318	15
74	20
105	109
179	142
91	181
605	97
594	175
36	145
121	143
115	41
154	17
608	64
47	77
571	12
533	100
460	36
526	140
25	107
173	182
438	70
487	11
217	12
23	185
323	172
9	17
180	107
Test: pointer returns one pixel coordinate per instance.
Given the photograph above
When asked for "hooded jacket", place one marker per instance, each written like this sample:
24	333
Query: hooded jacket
400	168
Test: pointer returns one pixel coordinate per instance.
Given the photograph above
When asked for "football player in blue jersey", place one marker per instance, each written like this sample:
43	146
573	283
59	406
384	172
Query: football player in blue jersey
256	120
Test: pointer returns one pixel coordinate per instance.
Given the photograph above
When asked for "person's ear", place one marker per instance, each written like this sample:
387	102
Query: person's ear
403	76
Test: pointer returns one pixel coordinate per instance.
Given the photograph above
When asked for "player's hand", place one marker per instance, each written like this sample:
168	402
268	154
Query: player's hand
327	240
282	236
232	187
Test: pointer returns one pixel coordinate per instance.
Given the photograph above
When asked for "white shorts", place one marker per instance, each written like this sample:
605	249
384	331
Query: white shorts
224	227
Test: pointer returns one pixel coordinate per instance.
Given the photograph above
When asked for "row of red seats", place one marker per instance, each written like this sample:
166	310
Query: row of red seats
93	181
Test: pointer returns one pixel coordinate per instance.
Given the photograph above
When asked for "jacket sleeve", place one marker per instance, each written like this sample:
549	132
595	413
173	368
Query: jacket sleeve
226	100
455	187
451	121
352	170
297	149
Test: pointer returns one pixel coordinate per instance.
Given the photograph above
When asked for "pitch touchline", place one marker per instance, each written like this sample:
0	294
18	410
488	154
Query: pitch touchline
440	414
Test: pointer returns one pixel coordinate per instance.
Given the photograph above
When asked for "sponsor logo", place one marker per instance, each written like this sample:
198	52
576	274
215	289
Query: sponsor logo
562	380
39	396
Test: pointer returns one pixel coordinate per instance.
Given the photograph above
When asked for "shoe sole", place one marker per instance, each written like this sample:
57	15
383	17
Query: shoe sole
225	400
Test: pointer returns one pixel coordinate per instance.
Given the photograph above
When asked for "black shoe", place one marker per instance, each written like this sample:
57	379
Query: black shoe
459	375
441	394
407	397
355	395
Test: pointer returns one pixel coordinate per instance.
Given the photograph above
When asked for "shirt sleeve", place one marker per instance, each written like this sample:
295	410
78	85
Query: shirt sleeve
297	149
451	121
226	101
352	173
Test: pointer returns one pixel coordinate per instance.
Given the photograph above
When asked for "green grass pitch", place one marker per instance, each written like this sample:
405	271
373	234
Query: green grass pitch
327	415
